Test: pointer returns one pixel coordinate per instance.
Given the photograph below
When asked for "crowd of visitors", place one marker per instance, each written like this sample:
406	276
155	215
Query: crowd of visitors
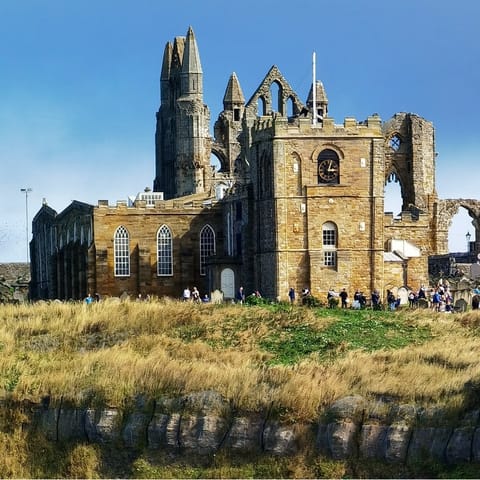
438	298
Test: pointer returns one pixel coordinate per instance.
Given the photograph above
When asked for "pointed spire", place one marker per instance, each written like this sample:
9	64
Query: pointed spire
191	58
233	93
177	53
321	100
320	94
167	61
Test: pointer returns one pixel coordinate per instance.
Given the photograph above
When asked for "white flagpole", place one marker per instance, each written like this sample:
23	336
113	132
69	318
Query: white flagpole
314	91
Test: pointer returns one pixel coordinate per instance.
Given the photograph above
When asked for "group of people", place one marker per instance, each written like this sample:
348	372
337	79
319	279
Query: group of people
194	296
240	296
438	298
359	299
92	298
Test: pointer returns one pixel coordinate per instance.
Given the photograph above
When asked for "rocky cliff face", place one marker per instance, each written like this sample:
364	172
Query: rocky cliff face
203	424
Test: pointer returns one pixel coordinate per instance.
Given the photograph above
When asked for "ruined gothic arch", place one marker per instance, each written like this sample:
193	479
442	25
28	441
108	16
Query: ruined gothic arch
393	176
263	95
220	154
446	210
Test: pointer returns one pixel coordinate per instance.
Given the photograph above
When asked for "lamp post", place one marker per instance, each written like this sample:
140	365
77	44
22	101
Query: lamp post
468	236
26	191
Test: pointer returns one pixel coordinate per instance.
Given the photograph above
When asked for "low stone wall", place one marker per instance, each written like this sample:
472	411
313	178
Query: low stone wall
203	423
14	281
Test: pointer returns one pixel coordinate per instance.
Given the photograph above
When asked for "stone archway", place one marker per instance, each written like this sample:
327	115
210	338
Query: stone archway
446	210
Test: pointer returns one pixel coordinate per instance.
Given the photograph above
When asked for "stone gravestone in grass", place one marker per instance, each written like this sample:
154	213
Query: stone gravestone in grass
217	296
461	305
422	303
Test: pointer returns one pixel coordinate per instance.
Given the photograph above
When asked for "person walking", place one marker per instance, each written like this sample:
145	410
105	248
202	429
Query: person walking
186	294
344	297
240	295
291	295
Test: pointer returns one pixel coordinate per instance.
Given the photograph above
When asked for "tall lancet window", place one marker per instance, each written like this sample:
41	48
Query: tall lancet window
164	252
121	252
207	246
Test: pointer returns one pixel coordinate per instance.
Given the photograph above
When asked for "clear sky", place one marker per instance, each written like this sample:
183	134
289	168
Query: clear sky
79	85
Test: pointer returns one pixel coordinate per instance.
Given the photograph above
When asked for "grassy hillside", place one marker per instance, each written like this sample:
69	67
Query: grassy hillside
297	359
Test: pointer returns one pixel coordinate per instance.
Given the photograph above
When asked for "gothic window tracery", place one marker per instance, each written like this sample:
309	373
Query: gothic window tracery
395	142
164	251
207	247
121	252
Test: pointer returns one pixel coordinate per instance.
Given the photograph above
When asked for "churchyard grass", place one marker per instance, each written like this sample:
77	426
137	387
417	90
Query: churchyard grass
293	361
294	358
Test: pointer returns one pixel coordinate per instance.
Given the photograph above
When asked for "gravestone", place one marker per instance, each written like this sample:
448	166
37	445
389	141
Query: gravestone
475	270
217	296
461	305
403	295
422	303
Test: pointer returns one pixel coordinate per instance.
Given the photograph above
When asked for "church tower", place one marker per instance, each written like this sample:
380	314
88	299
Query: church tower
228	127
182	140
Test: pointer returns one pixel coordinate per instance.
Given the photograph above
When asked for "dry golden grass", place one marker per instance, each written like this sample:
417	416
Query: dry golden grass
110	352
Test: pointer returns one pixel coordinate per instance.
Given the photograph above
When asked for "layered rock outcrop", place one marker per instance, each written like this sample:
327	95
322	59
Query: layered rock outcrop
204	423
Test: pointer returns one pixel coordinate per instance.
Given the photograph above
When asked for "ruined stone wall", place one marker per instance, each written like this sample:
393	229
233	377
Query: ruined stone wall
419	233
14	280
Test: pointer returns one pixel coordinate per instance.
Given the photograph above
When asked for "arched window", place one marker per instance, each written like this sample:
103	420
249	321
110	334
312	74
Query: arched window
329	243
164	251
207	246
121	252
395	142
328	167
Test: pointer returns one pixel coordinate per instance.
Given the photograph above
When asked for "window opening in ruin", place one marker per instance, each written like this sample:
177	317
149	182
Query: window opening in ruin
461	234
261	107
207	247
290	107
215	163
164	251
329	242
395	142
393	195
236	114
121	252
275	93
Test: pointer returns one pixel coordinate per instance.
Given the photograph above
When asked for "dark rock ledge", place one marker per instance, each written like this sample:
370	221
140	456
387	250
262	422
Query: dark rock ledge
204	423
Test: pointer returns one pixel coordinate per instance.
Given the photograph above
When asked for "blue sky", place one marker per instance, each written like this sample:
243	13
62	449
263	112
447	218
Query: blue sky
79	85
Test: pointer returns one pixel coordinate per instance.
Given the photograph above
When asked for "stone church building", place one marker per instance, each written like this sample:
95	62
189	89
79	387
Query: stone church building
290	199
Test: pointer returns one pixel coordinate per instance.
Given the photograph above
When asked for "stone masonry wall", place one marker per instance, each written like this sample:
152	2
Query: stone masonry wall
143	224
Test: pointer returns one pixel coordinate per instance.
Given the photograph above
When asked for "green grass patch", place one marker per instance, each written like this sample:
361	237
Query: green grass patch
363	330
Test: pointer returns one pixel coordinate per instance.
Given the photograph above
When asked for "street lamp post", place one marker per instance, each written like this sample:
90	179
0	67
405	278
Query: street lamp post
468	236
26	191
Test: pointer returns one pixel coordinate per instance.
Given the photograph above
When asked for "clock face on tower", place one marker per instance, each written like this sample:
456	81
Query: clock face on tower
328	170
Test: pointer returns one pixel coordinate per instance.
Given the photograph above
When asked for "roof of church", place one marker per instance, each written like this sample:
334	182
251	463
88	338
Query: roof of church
191	57
233	93
321	95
